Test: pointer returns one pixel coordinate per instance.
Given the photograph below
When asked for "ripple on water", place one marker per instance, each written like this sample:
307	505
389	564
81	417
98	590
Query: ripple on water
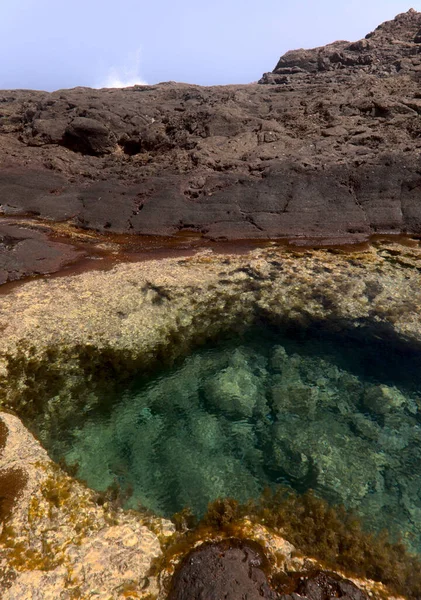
334	414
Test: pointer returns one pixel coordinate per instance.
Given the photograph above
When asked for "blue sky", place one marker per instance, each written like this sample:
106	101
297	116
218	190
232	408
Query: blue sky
52	44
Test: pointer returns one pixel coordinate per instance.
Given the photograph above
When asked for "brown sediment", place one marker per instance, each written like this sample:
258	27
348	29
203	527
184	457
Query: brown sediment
3	434
12	484
97	251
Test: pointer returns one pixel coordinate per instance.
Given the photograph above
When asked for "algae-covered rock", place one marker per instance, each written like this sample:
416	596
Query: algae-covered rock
236	390
294	398
382	399
58	541
227	421
328	458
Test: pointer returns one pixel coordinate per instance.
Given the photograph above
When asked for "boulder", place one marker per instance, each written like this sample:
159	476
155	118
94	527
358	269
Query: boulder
88	136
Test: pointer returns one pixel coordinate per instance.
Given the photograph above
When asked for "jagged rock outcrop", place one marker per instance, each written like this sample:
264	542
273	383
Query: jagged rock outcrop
391	49
328	154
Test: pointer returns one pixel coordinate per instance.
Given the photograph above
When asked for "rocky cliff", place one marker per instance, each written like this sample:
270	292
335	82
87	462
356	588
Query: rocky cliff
328	153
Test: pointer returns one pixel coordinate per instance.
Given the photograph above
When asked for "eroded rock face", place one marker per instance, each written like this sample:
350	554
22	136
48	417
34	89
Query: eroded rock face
329	153
392	48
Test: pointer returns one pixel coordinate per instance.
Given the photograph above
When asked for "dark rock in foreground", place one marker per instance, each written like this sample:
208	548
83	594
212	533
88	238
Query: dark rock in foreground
234	569
230	569
329	152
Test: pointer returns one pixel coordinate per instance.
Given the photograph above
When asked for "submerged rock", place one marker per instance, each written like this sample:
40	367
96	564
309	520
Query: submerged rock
61	539
382	399
66	342
237	389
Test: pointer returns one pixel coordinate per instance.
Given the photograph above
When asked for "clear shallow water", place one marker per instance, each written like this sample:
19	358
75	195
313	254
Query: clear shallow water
339	416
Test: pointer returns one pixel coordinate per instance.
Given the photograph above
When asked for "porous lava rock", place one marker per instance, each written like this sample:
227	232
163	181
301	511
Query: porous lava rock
328	153
231	569
324	586
234	569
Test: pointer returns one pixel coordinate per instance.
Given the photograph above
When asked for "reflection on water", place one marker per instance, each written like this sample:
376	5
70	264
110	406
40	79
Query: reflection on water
336	415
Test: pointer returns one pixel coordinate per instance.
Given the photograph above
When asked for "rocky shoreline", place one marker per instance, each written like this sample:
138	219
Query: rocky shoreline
63	541
58	333
323	151
329	151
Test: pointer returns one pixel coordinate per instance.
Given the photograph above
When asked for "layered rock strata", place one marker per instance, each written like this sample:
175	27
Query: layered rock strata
328	153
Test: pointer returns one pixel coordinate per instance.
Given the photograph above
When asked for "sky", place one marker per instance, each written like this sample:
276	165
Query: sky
54	44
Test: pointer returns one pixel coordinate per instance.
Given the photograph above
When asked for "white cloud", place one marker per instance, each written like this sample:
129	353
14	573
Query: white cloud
124	76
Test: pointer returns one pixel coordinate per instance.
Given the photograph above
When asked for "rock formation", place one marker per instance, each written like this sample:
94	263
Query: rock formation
323	150
391	49
67	341
329	153
234	569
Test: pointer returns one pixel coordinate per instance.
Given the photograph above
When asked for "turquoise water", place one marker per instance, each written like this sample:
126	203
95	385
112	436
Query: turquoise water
334	414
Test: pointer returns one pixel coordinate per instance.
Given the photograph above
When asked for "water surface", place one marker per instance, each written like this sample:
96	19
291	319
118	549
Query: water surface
332	413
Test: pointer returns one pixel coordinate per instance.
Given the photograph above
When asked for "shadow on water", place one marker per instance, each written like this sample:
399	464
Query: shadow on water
370	351
335	410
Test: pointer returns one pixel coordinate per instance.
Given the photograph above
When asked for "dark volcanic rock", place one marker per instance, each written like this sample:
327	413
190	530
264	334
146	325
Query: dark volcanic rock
324	586
230	569
26	252
234	569
329	152
87	136
391	48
